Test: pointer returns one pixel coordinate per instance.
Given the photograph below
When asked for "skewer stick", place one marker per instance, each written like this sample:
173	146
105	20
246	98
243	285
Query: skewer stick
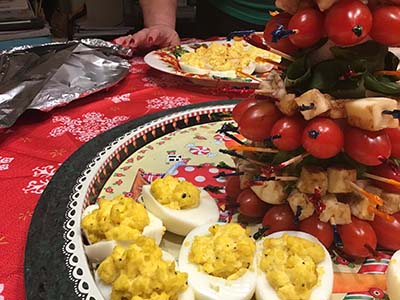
374	210
293	160
243	74
252	149
388	73
371	197
382	179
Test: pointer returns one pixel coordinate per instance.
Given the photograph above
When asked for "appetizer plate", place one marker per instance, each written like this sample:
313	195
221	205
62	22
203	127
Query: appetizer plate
56	266
165	60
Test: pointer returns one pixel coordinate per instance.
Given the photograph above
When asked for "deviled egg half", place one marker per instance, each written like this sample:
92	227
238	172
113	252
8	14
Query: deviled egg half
219	259
117	222
293	265
179	204
393	277
142	271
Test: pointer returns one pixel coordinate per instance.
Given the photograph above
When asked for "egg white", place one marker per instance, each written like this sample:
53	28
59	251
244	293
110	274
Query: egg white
208	287
393	277
263	67
322	291
182	221
97	252
106	289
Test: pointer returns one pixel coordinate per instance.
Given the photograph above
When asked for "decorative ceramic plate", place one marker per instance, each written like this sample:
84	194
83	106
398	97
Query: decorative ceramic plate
166	60
56	266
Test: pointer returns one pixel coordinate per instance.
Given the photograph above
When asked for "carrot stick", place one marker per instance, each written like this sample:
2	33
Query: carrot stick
350	282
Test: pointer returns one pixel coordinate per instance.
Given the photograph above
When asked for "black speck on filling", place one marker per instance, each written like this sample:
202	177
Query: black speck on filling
184	195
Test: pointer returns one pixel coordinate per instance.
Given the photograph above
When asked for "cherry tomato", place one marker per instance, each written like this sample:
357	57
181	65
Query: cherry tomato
388	233
355	236
321	230
348	22
367	147
257	121
309	26
232	187
284	44
322	138
250	205
290	130
386	25
386	171
394	136
241	107
278	218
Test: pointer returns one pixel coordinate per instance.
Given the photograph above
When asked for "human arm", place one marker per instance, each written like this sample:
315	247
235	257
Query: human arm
159	21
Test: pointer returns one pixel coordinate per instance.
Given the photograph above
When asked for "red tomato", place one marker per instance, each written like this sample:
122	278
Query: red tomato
321	230
232	187
257	121
242	106
290	130
322	138
367	147
284	44
348	22
309	26
250	205
386	171
394	136
355	236
386	25
278	218
388	233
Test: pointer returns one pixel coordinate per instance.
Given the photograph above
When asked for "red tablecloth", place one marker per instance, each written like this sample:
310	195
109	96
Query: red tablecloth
33	149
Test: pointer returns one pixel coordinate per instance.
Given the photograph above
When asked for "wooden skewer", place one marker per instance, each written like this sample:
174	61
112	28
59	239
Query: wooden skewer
287	178
374	210
295	159
252	149
382	179
388	73
371	197
243	74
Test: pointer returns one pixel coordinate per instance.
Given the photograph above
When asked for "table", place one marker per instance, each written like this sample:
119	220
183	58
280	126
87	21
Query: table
32	150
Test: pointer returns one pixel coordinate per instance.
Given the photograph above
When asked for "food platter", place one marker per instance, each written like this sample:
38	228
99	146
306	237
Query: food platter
55	262
165	60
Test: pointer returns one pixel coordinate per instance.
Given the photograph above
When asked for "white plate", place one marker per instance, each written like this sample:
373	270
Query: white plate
155	60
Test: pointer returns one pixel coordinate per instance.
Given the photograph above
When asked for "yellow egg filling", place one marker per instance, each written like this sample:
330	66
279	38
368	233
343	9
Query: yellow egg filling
226	252
121	218
225	57
175	194
139	272
290	264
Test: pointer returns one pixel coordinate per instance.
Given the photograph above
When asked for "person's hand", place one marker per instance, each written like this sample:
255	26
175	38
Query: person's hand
158	36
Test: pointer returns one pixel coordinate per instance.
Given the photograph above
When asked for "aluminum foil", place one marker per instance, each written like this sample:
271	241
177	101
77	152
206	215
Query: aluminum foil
50	75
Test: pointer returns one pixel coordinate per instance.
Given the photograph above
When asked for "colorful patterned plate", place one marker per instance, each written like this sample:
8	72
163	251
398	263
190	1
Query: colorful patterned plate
55	263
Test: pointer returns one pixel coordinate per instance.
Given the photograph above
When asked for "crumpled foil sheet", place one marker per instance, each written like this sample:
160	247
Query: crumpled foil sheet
50	75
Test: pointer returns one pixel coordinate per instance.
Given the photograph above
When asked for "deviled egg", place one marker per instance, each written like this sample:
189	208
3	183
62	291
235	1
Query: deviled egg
220	261
393	277
218	60
117	222
293	265
141	271
179	204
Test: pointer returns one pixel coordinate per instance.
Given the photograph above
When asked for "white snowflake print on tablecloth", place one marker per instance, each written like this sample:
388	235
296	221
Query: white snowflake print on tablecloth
137	61
165	102
5	163
162	80
84	129
42	176
120	98
1	291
